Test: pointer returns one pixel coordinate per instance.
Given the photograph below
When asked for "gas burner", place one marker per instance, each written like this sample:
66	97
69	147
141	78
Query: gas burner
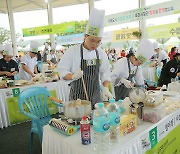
74	122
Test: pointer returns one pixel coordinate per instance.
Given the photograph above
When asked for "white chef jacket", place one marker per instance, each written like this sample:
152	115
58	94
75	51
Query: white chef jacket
71	62
162	56
121	70
30	63
50	56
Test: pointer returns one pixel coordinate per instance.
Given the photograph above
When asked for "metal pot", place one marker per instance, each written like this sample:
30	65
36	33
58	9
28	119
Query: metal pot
77	111
137	95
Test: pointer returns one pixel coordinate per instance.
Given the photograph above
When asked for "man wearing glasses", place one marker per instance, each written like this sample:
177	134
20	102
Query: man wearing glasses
89	61
127	71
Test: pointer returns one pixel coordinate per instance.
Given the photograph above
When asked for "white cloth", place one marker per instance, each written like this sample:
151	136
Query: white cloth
56	143
162	56
71	62
30	63
50	56
149	73
62	92
121	70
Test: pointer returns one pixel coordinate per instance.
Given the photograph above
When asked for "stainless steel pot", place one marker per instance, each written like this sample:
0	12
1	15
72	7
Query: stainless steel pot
77	111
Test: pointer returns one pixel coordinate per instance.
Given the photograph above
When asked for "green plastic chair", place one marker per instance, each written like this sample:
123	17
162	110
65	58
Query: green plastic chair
33	103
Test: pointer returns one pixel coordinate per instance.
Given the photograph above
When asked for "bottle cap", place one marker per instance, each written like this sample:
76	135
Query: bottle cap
100	105
84	118
120	100
112	100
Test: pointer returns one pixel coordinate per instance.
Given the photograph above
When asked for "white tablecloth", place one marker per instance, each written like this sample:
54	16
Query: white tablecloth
62	92
149	73
57	143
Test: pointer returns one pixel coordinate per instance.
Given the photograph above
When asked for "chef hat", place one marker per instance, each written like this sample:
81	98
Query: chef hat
53	47
34	46
145	50
8	50
155	45
1	47
46	45
178	51
95	26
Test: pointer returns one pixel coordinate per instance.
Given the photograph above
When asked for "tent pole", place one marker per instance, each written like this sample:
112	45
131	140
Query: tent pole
12	26
91	4
50	20
142	23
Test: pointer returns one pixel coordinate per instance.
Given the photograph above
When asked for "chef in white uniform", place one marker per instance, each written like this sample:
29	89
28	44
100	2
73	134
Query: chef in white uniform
87	60
51	57
127	71
28	67
161	55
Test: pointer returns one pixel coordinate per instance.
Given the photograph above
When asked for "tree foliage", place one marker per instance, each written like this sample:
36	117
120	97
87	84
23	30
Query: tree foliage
5	36
80	27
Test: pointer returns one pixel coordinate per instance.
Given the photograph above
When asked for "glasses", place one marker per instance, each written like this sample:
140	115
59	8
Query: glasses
92	41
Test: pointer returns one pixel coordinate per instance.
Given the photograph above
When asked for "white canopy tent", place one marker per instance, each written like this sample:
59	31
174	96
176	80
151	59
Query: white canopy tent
11	6
173	41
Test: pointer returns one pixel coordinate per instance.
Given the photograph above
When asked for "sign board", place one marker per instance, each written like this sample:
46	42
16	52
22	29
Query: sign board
153	11
124	35
49	29
164	31
70	39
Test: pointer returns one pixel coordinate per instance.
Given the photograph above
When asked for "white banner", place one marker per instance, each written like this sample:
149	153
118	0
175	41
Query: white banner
107	36
156	134
157	10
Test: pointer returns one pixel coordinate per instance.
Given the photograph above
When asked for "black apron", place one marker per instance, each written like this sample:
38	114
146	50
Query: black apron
90	70
53	60
121	91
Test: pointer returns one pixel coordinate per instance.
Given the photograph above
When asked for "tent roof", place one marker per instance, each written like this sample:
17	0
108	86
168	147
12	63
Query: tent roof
29	5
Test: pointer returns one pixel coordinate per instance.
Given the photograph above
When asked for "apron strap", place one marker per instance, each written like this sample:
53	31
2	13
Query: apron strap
129	65
130	68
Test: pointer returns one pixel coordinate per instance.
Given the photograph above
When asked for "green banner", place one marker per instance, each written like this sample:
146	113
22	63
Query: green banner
14	114
169	144
164	31
50	29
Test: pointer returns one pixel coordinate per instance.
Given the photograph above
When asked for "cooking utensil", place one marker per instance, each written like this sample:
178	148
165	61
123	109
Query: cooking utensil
137	95
76	111
85	90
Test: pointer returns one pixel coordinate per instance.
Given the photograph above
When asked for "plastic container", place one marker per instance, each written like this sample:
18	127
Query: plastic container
101	125
128	124
120	104
154	114
153	99
114	116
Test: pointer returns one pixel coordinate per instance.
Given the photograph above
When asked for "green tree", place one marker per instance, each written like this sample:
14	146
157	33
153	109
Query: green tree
80	28
5	35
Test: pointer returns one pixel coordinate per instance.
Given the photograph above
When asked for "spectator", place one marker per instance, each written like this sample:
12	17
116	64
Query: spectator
39	56
123	54
172	53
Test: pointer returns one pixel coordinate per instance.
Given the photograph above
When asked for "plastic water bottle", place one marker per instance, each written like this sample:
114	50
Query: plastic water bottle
120	105
101	125
114	117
